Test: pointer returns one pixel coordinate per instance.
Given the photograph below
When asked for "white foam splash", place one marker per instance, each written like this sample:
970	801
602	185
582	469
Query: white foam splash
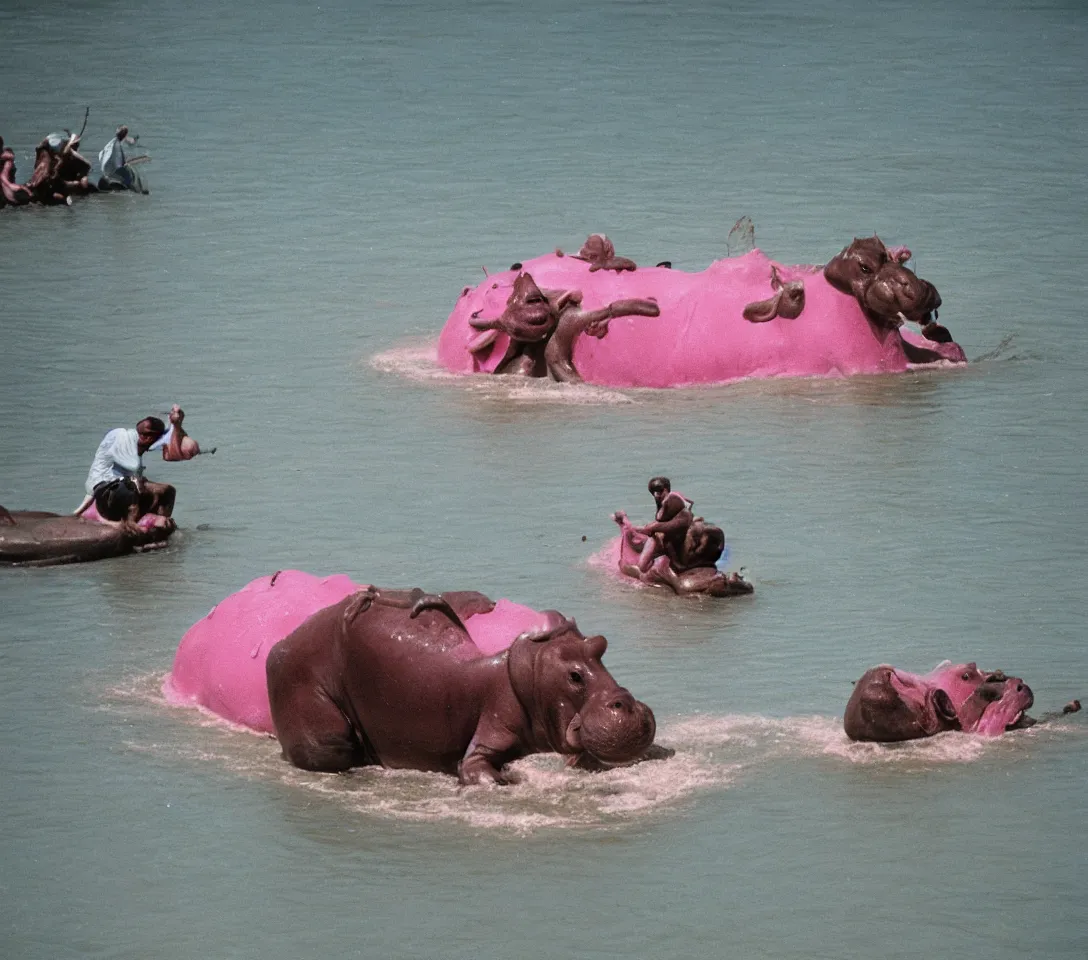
419	362
712	753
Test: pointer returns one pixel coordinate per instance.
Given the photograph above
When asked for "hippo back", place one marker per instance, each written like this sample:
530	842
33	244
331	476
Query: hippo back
220	662
701	335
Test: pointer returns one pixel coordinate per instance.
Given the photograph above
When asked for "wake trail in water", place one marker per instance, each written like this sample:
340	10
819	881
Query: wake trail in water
418	362
999	351
712	753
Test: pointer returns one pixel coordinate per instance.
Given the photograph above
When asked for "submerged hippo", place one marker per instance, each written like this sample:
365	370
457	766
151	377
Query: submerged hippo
600	318
890	705
34	538
347	676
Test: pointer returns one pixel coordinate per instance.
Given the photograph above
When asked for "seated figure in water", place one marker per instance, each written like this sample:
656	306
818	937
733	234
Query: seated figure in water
10	191
677	550
60	170
664	536
119	170
116	486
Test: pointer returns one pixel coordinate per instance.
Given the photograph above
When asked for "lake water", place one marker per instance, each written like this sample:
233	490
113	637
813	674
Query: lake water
325	180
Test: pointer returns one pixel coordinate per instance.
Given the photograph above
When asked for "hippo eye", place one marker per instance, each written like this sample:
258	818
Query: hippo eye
575	676
864	268
966	676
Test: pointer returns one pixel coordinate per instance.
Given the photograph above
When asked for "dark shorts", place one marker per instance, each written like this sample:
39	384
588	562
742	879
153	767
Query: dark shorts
112	500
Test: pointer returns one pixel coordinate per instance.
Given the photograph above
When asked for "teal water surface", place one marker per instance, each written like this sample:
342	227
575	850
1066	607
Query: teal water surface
325	180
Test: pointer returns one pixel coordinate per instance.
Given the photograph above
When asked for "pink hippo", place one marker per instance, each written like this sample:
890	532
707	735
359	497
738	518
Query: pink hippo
889	705
220	662
348	676
599	318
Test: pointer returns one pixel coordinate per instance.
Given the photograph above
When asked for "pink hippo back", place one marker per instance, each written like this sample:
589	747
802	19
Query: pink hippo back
220	662
493	632
701	335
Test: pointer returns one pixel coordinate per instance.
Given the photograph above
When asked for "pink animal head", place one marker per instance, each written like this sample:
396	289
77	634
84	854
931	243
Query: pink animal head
958	680
998	704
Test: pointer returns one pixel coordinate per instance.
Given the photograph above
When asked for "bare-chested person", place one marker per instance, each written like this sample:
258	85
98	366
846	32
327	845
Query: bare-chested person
665	535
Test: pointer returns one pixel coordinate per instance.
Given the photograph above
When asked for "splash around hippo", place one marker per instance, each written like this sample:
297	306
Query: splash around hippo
743	316
453	683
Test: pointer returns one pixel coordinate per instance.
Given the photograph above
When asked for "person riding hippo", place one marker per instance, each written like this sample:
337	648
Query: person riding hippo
60	171
10	191
116	484
665	535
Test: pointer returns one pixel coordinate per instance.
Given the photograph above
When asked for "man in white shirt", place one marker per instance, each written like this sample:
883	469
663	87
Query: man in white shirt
116	484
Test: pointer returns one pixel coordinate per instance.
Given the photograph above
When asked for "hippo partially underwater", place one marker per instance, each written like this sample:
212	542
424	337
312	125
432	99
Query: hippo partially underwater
889	705
35	538
744	316
348	676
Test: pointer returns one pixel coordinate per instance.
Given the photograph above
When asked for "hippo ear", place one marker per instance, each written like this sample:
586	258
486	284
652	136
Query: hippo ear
521	666
942	703
760	311
596	646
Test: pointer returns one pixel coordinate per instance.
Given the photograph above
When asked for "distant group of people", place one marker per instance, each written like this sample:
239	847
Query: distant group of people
62	172
116	486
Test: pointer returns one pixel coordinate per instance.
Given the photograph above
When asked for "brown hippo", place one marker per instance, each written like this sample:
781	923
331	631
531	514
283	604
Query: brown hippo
542	326
888	293
394	678
34	538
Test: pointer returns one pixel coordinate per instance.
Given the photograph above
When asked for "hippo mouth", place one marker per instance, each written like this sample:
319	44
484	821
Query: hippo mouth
613	734
534	326
891	304
1022	722
1004	704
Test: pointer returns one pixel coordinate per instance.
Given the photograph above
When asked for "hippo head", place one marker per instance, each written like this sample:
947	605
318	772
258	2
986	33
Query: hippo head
886	290
573	703
998	703
600	253
958	680
890	705
596	249
528	316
